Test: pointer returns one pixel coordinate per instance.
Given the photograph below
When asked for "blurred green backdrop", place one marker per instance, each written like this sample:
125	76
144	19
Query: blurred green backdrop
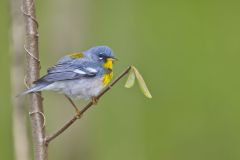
188	53
6	147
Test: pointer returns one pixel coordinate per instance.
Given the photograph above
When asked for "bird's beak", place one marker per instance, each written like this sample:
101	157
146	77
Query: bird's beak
113	58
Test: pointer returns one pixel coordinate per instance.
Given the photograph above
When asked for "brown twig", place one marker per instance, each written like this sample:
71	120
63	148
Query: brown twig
79	114
33	67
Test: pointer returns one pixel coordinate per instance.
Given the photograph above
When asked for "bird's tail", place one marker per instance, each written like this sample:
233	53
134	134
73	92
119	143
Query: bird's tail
35	88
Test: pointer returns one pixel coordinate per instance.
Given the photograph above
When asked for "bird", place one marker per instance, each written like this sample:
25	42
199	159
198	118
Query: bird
80	75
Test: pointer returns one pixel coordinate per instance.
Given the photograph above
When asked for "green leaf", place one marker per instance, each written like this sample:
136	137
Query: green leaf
142	83
131	79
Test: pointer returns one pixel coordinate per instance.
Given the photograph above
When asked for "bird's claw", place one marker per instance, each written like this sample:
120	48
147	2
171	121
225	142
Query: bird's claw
78	115
94	100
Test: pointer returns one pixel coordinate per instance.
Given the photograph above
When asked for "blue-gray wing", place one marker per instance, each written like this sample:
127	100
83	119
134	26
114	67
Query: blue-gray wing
66	63
70	71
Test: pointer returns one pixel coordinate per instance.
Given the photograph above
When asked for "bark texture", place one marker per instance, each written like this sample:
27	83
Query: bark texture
33	67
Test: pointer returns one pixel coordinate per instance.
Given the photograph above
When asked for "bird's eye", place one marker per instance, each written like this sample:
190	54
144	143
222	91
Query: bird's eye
101	56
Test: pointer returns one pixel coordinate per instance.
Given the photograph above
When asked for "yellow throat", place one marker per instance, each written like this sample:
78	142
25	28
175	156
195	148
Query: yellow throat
108	76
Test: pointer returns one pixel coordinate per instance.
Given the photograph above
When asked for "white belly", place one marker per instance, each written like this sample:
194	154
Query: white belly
77	89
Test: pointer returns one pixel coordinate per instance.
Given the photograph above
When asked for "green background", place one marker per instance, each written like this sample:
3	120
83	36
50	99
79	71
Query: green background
188	53
6	147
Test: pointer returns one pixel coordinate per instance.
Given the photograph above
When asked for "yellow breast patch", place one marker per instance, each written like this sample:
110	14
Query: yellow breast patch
107	77
108	64
76	55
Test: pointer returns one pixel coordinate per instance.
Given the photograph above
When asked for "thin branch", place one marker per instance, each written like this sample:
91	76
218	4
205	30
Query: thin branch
79	114
33	67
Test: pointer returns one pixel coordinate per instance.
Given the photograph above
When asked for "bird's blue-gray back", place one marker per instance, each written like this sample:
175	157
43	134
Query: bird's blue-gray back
72	68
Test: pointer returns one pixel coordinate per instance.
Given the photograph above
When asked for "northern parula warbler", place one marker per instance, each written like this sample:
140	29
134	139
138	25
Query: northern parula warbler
78	75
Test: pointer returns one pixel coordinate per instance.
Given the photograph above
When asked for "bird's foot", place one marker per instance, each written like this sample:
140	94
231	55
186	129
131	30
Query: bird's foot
78	114
94	100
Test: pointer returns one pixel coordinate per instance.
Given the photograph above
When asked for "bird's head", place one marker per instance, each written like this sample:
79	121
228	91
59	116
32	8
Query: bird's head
103	55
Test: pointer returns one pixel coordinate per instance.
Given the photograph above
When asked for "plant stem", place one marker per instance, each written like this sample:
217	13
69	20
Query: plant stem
33	67
20	134
79	114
